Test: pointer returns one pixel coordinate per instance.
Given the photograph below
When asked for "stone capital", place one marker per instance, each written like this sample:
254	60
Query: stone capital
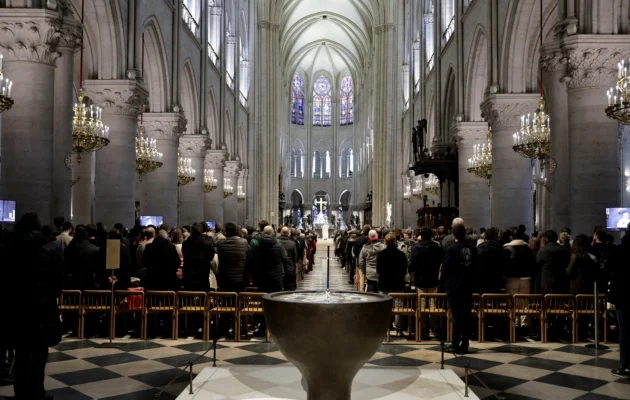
231	169
504	111
244	64
215	10
416	45
29	34
193	145
468	134
428	18
267	25
230	39
118	96
165	126
215	159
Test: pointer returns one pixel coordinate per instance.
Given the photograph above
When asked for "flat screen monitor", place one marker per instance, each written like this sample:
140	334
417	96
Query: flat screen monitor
146	220
211	224
617	219
7	211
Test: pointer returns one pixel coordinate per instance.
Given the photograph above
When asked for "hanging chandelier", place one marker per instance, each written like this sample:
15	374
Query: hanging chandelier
89	134
619	97
148	158
228	190
6	101
533	140
481	162
416	191
240	194
185	171
432	185
209	181
407	193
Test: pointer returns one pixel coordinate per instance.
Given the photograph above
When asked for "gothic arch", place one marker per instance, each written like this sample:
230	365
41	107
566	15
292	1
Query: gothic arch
156	71
449	107
229	133
212	119
477	74
241	142
189	98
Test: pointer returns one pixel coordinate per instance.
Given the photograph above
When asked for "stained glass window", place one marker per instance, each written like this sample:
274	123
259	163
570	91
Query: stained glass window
297	100
346	96
322	102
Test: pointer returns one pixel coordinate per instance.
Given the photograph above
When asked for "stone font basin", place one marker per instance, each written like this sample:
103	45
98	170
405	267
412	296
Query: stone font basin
328	336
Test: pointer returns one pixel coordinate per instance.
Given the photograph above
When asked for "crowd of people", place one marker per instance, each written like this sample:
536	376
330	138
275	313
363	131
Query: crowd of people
44	260
462	262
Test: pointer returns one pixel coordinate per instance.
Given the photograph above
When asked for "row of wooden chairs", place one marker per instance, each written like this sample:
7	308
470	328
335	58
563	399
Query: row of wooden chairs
506	306
207	305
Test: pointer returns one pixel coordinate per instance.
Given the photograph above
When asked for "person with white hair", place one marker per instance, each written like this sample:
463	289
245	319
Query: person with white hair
450	239
268	262
367	260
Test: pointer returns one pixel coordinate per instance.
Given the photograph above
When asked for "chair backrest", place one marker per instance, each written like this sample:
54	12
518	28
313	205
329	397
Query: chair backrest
476	304
160	300
559	304
191	301
251	303
434	303
70	300
96	299
129	300
529	303
584	304
222	302
501	304
404	303
251	289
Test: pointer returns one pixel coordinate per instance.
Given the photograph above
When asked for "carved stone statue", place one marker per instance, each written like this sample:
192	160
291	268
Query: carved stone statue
388	220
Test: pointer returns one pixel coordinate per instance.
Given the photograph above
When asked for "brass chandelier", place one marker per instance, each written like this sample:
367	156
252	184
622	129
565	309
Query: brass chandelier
185	171
6	85
228	190
209	181
240	194
432	185
416	190
148	158
619	97
89	134
481	162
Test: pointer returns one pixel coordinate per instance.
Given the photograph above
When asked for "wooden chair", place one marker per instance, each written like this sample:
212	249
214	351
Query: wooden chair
559	305
532	305
223	303
434	304
95	301
405	304
584	305
70	302
476	306
193	303
250	304
160	302
496	305
129	301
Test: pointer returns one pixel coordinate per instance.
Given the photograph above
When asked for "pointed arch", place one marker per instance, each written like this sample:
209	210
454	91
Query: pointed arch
156	72
189	98
322	100
212	119
449	107
229	133
477	74
241	142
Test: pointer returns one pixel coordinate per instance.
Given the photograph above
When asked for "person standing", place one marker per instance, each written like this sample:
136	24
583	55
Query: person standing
582	269
267	261
492	261
367	261
620	297
35	260
458	269
198	251
391	267
552	260
162	262
232	252
65	237
291	251
80	260
521	268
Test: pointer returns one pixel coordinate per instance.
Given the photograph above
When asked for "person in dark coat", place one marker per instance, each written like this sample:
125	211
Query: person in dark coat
232	252
80	260
425	260
582	269
198	251
458	269
162	262
122	275
552	260
492	262
290	282
620	297
267	261
35	261
391	267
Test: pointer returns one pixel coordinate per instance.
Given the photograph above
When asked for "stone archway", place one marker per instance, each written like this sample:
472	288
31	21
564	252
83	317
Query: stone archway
297	209
344	207
324	206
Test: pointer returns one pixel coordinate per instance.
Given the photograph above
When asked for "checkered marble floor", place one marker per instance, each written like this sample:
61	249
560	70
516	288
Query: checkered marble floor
316	279
77	370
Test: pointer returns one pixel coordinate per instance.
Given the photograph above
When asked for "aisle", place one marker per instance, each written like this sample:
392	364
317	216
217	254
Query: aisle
316	279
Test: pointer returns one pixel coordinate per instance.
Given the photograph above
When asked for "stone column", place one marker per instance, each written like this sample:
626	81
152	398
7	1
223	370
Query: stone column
242	209
214	33
159	188
244	81
213	203
191	196
62	137
82	189
230	173
122	101
27	41
230	48
474	192
512	201
593	146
